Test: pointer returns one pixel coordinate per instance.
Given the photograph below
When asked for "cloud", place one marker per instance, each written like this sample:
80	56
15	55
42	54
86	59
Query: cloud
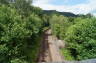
81	8
41	1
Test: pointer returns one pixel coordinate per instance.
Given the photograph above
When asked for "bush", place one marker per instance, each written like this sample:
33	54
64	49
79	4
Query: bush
79	35
17	34
81	39
59	25
18	61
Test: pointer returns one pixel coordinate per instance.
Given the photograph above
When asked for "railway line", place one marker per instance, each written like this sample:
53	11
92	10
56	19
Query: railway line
49	51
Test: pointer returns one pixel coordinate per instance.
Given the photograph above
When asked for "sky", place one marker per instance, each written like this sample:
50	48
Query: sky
74	6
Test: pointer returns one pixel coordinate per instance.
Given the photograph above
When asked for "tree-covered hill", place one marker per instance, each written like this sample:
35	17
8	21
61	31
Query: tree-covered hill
67	14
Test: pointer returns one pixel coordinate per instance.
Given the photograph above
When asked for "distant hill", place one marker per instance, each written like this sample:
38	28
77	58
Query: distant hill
67	14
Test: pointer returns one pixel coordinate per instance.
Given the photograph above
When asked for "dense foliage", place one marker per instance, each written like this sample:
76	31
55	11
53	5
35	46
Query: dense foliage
81	39
59	25
79	34
19	32
21	26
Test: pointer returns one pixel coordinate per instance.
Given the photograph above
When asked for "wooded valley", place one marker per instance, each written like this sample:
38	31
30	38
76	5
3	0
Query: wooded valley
22	26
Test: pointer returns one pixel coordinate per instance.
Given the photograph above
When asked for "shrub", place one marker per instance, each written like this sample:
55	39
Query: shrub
81	39
59	25
17	34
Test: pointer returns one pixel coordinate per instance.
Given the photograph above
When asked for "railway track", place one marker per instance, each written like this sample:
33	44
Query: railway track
48	51
44	54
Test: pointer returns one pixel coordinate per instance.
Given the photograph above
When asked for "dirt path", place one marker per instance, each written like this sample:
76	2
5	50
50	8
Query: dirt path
49	51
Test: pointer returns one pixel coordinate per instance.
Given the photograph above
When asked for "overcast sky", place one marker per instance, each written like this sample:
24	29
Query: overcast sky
74	6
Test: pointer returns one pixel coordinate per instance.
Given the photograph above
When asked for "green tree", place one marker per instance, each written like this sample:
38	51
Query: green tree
3	2
81	39
59	25
23	6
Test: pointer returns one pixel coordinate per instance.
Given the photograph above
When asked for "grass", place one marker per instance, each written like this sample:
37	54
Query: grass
33	50
67	55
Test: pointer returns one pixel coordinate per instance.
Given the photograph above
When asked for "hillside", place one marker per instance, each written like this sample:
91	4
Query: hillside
67	14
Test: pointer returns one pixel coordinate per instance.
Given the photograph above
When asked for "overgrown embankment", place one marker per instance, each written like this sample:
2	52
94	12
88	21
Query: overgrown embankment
79	34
